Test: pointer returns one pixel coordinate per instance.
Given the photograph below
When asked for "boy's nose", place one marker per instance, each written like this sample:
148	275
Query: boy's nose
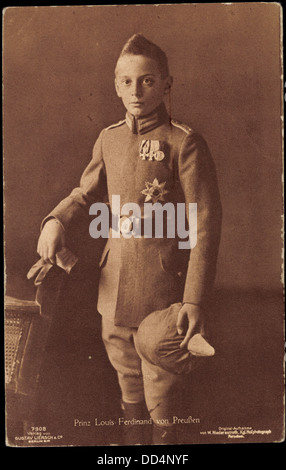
137	89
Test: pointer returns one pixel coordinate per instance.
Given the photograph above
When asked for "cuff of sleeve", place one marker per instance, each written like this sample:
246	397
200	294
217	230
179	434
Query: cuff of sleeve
197	304
49	217
193	296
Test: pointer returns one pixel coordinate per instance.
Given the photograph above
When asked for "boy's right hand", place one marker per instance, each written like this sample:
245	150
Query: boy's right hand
51	240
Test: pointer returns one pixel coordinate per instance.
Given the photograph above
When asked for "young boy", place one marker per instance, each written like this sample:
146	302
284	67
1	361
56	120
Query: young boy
147	158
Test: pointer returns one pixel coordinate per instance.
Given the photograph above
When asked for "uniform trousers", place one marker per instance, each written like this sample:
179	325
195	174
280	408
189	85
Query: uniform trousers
139	379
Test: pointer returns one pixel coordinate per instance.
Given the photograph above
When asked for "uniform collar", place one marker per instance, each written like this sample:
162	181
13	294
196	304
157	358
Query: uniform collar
147	123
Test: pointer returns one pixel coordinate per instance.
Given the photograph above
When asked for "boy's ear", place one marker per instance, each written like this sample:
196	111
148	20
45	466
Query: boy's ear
168	85
117	88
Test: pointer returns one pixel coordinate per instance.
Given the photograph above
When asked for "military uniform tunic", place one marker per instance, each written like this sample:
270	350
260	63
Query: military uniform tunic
151	159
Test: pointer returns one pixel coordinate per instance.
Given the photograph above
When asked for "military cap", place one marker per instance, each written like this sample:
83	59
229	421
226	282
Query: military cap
159	342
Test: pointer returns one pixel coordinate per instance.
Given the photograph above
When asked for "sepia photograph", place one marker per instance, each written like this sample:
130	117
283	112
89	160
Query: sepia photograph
143	225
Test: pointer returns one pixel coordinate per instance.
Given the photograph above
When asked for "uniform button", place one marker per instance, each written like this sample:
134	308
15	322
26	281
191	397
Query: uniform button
126	225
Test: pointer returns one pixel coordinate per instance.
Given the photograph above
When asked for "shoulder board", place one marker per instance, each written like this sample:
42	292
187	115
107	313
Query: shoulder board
181	126
117	124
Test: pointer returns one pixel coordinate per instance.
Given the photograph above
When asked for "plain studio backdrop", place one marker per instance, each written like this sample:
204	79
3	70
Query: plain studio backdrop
59	93
226	63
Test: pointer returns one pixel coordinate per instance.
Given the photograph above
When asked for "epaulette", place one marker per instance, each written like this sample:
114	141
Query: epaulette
181	126
117	124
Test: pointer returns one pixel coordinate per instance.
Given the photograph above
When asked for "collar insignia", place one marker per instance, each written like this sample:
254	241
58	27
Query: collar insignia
144	124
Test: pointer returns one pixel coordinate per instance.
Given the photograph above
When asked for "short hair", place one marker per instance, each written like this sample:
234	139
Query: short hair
139	45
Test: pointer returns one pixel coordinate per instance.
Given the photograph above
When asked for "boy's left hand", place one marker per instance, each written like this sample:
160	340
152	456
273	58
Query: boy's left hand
193	316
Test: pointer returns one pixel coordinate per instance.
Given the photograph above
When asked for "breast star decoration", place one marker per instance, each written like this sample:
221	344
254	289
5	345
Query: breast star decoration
154	191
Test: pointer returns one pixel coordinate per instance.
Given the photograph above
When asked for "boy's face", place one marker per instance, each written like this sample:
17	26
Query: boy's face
139	84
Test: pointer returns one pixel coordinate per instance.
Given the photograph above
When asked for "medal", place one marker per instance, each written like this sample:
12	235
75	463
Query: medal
159	156
144	149
154	191
151	150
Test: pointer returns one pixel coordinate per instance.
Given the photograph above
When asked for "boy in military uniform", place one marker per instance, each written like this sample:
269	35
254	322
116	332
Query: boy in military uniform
147	158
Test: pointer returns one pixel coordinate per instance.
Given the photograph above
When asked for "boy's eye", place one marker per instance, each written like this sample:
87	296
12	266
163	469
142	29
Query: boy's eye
126	81
148	81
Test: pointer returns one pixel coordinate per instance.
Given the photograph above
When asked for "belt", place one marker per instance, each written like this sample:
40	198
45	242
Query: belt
146	227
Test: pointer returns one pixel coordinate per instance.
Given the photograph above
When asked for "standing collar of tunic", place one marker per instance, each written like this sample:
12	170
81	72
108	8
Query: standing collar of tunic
147	123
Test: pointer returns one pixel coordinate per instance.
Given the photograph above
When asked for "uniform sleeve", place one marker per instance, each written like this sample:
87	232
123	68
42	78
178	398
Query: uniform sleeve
92	188
198	179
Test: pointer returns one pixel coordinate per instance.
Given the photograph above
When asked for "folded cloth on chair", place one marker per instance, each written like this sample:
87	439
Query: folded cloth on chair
65	259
